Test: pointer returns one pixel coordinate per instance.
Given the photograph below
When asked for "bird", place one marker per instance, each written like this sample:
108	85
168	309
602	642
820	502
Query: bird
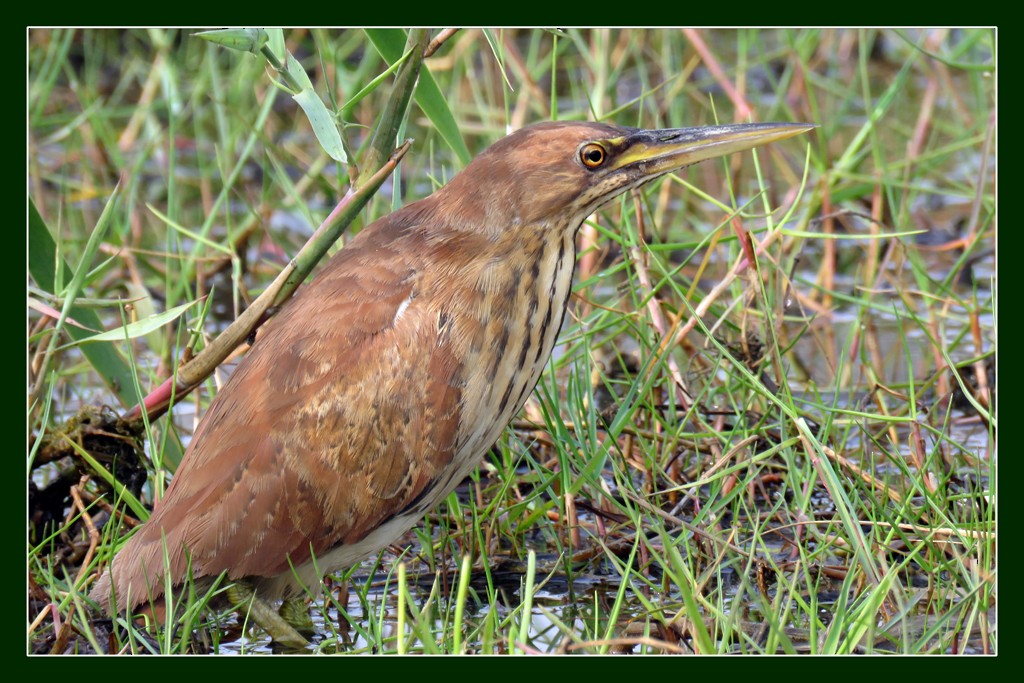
380	385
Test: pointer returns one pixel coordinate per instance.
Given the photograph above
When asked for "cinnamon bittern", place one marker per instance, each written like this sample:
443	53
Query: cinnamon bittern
377	389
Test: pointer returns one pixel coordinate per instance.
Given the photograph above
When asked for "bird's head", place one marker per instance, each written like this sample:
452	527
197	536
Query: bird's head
556	174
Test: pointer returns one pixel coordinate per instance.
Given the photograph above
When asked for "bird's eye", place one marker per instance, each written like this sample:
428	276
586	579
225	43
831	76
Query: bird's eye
592	155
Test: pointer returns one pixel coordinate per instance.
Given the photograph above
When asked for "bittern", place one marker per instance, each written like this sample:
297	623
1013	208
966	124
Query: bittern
377	389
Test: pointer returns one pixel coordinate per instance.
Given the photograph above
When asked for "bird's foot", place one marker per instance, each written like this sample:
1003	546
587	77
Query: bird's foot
296	613
251	605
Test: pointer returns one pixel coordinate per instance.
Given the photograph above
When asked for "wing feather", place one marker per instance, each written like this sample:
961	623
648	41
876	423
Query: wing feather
345	409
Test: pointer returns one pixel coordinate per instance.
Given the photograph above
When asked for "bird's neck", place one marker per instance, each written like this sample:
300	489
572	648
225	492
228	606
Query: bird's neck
511	336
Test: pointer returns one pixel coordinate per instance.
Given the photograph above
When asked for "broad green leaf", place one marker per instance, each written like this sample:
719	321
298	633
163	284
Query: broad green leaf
138	328
276	44
390	43
320	118
324	127
243	39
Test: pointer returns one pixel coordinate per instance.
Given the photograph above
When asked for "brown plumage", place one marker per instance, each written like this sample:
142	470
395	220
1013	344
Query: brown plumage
375	391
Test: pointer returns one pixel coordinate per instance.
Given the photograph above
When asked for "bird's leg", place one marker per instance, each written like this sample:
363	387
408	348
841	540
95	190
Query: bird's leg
249	604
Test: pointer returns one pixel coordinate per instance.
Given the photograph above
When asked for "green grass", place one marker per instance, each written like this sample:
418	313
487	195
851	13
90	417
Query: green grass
717	460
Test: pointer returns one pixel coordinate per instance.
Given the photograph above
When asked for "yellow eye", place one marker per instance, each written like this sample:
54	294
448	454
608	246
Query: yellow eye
592	155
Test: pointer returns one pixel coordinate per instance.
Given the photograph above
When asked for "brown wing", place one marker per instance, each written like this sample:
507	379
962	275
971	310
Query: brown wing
341	414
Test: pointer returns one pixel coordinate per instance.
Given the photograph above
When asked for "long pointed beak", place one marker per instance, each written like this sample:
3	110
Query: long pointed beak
655	152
